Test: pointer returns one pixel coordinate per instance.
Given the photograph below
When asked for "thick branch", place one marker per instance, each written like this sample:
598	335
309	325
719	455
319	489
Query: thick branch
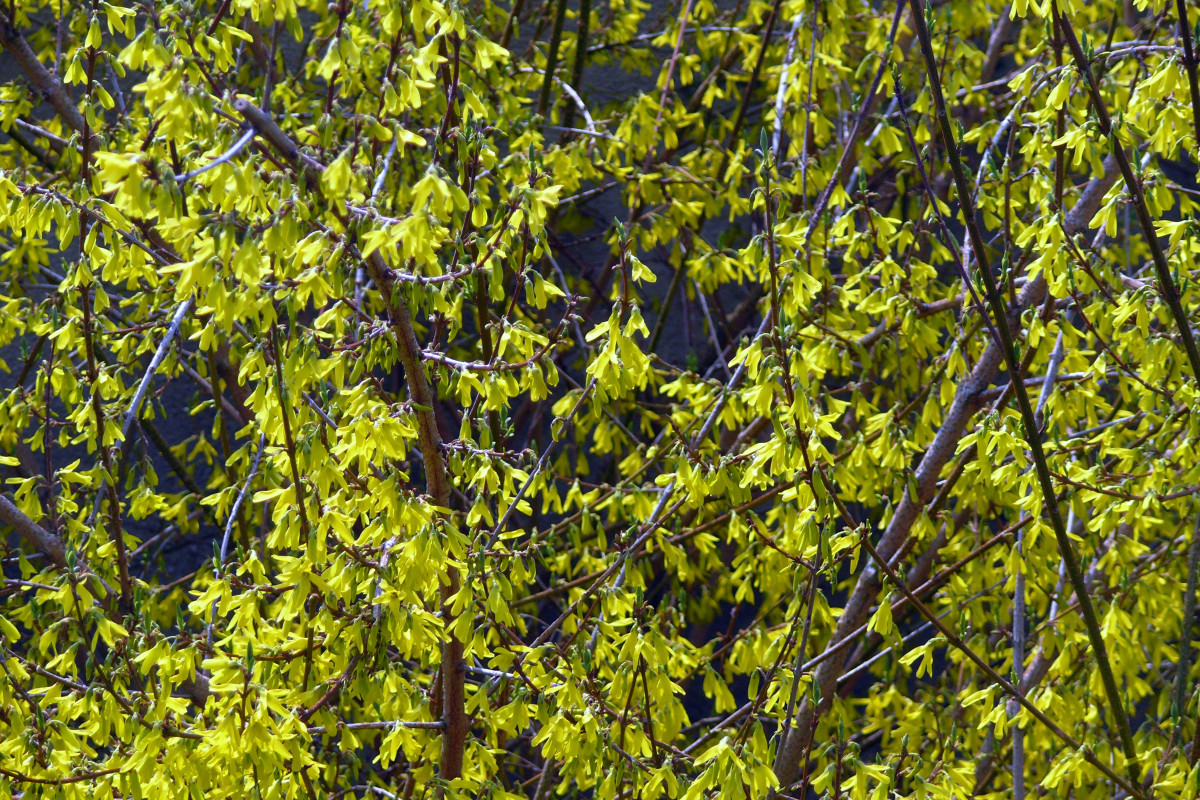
48	86
429	441
437	482
280	141
52	547
42	540
1033	434
945	443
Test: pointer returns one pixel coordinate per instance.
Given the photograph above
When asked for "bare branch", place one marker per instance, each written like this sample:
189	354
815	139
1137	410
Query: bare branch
224	158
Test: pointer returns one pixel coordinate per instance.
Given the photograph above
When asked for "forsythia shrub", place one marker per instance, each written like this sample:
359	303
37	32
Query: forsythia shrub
886	488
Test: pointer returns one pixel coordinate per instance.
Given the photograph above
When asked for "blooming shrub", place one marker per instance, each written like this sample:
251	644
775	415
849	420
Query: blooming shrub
861	462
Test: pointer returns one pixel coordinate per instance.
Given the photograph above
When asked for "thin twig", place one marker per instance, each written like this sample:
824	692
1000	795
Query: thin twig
135	405
784	74
1182	681
224	158
1166	284
574	95
993	676
1033	434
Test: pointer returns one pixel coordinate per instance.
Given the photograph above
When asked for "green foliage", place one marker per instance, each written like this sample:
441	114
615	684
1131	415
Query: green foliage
744	507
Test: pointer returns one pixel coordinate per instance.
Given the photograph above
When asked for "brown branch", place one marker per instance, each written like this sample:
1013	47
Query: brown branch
437	484
38	537
52	547
1190	66
1166	284
996	42
270	130
17	777
1033	433
995	677
429	441
945	444
49	87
